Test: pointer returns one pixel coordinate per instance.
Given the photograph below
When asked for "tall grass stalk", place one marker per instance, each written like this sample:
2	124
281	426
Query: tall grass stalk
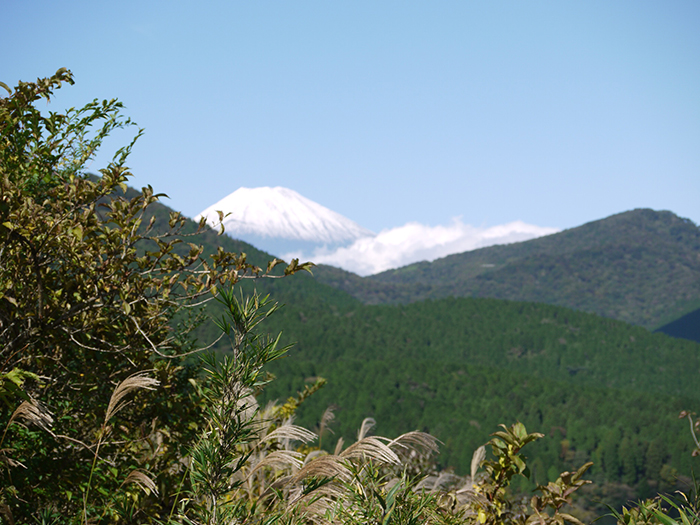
137	381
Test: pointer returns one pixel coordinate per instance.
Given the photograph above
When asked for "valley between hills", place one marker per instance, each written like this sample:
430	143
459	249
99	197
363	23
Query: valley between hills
554	332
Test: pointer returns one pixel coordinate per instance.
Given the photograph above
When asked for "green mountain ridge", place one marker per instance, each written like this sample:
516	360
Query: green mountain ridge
534	339
641	267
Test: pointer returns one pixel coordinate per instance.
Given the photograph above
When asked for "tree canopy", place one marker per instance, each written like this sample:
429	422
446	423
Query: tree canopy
90	295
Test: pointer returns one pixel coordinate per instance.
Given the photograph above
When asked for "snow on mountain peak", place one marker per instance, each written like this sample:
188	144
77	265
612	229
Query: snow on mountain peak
284	214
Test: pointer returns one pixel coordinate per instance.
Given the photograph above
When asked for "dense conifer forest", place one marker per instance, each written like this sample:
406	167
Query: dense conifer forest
602	390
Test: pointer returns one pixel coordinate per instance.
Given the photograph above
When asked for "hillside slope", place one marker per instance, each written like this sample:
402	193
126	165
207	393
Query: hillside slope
456	367
641	267
534	339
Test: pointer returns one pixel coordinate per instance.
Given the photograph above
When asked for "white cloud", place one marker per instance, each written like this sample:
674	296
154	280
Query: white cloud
415	242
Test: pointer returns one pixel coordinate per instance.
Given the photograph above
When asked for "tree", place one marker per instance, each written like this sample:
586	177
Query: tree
93	291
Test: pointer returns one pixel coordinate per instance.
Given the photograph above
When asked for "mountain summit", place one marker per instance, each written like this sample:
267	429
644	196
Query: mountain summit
279	219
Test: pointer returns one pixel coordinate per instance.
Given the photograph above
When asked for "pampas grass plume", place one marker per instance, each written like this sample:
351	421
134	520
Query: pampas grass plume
131	383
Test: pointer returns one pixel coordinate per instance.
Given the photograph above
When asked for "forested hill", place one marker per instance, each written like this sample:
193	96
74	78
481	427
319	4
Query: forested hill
641	267
601	389
529	338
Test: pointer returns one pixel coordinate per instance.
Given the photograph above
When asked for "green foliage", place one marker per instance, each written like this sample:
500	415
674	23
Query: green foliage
639	267
374	499
93	291
539	340
227	394
662	510
491	503
38	152
602	390
506	447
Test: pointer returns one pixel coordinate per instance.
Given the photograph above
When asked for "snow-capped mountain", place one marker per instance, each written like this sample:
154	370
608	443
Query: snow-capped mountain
280	220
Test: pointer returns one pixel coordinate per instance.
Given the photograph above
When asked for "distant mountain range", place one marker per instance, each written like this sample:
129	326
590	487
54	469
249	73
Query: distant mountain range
641	266
288	225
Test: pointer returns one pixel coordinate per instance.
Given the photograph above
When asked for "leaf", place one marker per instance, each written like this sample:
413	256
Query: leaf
505	436
306	267
391	495
519	430
274	262
519	463
570	518
18	376
291	267
478	457
382	502
9	299
663	518
77	232
581	471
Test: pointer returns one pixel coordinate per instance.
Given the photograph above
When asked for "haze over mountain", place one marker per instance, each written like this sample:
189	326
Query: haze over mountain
286	224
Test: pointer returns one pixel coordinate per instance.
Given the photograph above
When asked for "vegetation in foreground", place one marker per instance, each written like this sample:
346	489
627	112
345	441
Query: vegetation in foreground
106	420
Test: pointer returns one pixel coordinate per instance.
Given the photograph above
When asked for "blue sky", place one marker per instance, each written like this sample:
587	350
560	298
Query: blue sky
553	113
